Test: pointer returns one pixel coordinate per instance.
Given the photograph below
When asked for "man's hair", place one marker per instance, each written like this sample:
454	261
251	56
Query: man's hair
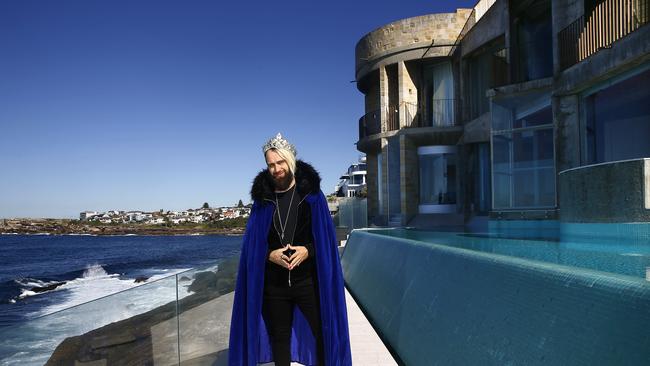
288	156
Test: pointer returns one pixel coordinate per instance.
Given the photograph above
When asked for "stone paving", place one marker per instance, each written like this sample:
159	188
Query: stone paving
367	347
205	329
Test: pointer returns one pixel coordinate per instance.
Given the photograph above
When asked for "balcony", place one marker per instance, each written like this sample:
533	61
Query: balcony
610	21
370	124
440	113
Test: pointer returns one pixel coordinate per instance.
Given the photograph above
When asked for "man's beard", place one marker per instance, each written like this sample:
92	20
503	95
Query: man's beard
282	184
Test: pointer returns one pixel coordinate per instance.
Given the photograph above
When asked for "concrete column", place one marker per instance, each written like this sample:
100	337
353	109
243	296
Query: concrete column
384	177
383	97
407	95
372	184
566	117
409	179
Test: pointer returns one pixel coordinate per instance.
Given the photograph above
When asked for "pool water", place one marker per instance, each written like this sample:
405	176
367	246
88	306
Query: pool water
631	259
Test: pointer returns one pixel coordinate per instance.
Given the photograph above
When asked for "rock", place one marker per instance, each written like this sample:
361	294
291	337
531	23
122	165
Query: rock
203	281
140	279
47	288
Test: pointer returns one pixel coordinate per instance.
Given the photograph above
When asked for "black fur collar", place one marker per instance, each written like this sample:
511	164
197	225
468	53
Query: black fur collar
307	181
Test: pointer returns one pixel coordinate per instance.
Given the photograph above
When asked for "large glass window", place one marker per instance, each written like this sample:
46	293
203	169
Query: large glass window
618	121
487	68
437	175
523	162
534	40
439	94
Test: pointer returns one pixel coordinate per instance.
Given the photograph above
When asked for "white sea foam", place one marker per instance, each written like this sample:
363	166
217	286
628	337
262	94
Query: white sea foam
26	293
96	283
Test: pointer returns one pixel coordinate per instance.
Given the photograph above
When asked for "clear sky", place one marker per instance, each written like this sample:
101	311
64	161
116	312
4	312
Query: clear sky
151	105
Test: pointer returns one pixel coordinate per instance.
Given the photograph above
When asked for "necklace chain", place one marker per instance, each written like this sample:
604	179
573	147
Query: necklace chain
286	219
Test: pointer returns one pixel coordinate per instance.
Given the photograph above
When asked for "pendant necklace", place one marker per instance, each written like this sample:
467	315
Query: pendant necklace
283	227
286	220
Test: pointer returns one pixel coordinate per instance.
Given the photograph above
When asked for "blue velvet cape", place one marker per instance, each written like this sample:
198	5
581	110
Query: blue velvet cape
249	342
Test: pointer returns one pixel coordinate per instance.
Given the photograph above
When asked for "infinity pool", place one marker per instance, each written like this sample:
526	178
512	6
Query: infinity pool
444	298
632	259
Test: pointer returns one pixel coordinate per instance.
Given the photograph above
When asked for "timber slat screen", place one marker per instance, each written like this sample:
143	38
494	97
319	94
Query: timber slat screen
609	21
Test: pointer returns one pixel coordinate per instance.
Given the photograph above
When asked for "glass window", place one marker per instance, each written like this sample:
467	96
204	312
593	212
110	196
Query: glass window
486	69
437	179
618	121
439	94
542	117
523	163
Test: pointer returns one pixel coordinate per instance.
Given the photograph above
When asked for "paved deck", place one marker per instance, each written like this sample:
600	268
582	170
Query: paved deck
367	347
204	334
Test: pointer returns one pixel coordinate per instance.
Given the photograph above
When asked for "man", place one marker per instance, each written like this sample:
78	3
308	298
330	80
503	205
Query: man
289	298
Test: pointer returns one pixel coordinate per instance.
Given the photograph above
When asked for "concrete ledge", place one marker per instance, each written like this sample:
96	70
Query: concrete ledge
439	305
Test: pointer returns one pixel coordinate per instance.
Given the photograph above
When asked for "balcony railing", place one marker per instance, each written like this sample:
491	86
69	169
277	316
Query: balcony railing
370	124
440	114
610	21
392	117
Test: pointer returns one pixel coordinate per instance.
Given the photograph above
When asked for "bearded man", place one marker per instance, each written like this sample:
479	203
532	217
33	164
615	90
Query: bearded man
289	299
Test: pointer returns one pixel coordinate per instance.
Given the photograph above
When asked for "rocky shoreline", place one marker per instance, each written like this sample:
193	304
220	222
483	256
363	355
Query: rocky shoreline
154	337
76	227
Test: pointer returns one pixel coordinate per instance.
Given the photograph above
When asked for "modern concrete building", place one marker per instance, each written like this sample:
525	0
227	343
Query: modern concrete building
353	181
516	111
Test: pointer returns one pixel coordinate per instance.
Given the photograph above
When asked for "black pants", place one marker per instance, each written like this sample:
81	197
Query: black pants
277	310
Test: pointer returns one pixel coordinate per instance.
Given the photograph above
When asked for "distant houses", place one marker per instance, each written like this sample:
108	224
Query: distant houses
197	216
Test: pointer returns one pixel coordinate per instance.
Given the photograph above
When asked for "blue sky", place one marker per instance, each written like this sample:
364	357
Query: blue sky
166	104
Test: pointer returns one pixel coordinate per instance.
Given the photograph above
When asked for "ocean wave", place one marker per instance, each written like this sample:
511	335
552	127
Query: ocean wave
96	284
93	283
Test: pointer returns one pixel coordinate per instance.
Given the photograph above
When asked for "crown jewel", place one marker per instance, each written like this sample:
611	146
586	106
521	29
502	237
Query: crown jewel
279	143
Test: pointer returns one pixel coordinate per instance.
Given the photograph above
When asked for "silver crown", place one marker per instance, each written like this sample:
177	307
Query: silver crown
279	143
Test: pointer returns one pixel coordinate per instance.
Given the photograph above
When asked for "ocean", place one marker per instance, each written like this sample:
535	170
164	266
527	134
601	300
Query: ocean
81	268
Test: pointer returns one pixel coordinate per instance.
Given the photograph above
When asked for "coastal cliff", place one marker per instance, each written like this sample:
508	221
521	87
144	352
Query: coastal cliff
67	227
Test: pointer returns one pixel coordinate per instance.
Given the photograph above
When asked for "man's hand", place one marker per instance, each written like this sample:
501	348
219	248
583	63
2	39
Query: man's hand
279	258
298	256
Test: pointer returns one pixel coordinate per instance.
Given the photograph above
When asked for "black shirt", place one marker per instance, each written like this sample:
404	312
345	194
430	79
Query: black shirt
276	275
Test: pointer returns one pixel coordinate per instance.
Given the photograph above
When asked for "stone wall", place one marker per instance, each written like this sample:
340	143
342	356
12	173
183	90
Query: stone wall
408	34
606	193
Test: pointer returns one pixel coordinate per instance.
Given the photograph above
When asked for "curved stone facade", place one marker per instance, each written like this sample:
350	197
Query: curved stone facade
409	34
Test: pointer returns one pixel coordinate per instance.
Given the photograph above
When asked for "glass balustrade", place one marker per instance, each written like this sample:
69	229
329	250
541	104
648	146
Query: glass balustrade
183	317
